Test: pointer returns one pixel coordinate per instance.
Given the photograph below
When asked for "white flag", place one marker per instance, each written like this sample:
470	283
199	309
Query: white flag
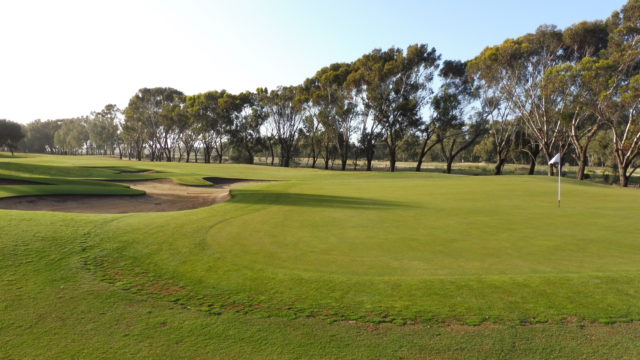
555	160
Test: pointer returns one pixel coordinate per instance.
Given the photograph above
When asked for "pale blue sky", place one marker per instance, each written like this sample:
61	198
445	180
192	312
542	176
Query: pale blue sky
67	58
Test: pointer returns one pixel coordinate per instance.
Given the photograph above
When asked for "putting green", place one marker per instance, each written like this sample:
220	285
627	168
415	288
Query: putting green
390	247
401	248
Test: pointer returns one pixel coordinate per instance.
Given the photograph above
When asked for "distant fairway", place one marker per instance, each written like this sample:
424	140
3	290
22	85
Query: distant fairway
425	253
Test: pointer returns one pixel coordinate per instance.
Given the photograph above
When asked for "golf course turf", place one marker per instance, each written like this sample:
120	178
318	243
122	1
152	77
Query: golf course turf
319	264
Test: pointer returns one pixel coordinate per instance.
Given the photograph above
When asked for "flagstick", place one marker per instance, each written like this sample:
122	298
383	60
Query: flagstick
559	172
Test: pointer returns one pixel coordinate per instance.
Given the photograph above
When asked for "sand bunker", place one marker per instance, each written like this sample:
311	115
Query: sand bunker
161	195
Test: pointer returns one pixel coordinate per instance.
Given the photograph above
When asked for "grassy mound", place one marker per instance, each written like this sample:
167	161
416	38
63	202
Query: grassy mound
270	270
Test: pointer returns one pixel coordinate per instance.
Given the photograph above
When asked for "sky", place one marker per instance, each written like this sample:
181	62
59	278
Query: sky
61	59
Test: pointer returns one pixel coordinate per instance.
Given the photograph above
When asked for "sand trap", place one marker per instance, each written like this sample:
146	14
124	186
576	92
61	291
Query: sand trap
161	195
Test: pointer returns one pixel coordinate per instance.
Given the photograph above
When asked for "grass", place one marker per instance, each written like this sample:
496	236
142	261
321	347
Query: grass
321	265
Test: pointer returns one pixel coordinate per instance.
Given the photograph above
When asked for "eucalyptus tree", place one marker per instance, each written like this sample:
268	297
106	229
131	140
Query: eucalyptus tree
585	39
486	75
148	111
317	125
347	114
426	132
334	107
39	136
397	85
525	143
185	136
458	125
10	135
72	137
248	120
285	109
313	137
212	114
370	135
521	64
103	127
577	85
134	135
619	103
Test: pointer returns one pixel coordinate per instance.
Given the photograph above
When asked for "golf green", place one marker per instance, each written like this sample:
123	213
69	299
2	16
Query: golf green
405	252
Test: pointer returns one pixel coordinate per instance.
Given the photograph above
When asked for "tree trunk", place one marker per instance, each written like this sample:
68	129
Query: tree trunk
582	163
250	156
285	154
344	155
622	174
449	165
392	158
497	170
273	155
423	153
369	161
533	159
624	179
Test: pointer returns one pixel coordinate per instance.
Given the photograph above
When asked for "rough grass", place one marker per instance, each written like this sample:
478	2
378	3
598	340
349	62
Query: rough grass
322	265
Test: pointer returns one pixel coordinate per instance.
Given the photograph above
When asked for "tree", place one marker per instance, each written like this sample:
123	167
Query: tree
334	108
521	65
149	112
212	113
426	133
585	39
528	145
618	105
103	128
249	118
72	136
285	110
579	85
312	133
186	137
39	136
397	86
10	134
573	81
457	125
486	75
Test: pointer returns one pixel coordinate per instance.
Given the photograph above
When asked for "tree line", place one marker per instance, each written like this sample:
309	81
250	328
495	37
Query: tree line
574	91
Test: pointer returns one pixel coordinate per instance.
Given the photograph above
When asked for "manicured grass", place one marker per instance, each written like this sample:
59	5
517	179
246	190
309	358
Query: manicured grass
322	265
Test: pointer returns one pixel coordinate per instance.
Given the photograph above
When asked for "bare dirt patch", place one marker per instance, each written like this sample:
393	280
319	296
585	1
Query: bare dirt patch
161	195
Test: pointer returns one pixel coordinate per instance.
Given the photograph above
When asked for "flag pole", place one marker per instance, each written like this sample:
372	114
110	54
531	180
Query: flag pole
557	160
559	173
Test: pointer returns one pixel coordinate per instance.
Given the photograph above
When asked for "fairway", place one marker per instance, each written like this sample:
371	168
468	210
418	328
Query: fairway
407	253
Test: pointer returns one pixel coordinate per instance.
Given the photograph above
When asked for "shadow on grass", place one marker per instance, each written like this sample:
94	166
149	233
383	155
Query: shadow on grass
258	197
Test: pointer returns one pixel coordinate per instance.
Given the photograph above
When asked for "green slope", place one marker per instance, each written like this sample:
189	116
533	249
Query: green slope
323	265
